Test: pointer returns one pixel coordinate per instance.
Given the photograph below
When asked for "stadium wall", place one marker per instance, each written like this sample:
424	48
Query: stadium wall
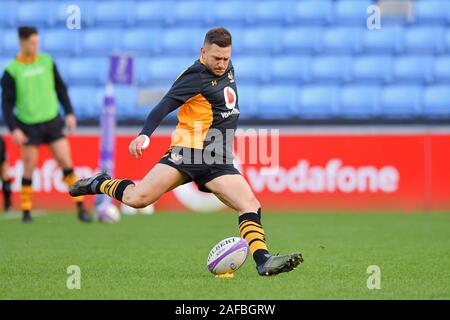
318	171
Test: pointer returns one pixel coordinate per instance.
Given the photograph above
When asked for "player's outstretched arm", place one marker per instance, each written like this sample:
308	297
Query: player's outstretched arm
63	97
9	100
8	103
61	91
158	113
186	86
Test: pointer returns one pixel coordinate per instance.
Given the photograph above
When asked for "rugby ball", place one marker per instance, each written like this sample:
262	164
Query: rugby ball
107	212
127	210
150	209
227	256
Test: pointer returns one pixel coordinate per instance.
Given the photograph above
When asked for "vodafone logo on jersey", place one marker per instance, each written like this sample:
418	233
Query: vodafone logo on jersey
230	97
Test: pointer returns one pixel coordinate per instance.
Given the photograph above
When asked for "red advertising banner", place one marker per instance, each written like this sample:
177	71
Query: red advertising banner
437	150
406	172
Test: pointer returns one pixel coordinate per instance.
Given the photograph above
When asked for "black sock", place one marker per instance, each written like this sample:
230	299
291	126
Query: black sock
7	193
80	205
251	230
114	187
25	195
67	172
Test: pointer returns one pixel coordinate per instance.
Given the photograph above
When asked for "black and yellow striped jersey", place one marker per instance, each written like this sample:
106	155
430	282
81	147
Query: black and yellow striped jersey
207	117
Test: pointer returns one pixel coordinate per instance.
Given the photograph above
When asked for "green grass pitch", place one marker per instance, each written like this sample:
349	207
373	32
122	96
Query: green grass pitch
163	256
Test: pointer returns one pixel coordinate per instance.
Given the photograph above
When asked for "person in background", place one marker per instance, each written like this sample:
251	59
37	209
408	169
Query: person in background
32	89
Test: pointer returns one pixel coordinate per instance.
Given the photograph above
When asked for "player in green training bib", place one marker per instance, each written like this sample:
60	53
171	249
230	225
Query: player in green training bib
31	92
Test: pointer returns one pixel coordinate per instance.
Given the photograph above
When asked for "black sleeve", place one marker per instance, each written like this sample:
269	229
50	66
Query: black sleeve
158	113
186	86
9	100
61	91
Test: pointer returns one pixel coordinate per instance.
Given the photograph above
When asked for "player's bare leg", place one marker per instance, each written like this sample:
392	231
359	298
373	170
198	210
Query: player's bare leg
159	180
61	153
235	192
30	155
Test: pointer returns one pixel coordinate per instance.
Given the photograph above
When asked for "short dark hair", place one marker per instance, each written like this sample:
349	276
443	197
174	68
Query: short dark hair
26	32
219	36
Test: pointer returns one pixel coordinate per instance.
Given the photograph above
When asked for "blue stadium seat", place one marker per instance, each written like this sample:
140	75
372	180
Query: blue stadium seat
152	12
145	105
192	12
100	41
62	63
238	40
167	69
141	40
447	39
342	39
126	98
372	68
331	68
424	39
91	71
289	56
301	39
231	13
142	75
400	101
61	41
85	102
114	13
9	42
130	105
351	11
388	39
417	69
432	11
7	13
290	68
251	68
317	102
311	11
247	101
441	68
62	12
3	62
161	72
358	102
270	12
182	40
437	102
276	102
37	13
259	40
